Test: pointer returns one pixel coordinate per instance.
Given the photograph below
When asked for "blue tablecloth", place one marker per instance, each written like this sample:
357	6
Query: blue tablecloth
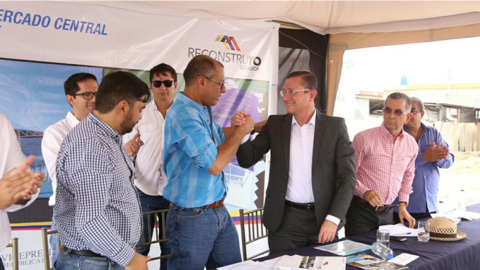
434	255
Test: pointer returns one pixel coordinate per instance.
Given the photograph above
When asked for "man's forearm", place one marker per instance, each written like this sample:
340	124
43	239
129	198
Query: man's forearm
226	152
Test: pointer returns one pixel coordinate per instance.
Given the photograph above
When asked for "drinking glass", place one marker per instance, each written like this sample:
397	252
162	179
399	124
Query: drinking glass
423	231
383	236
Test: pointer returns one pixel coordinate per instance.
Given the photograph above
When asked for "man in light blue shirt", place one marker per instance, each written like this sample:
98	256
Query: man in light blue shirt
433	153
199	227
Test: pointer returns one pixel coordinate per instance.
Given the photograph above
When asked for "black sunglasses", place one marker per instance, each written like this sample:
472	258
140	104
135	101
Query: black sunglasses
167	83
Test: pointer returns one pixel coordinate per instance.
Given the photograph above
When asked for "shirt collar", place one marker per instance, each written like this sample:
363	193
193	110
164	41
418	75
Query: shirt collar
424	128
155	105
190	103
387	133
312	120
71	119
108	130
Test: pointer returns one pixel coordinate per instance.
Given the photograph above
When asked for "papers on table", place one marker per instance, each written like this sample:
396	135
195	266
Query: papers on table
292	262
400	230
344	248
404	259
367	262
297	262
251	265
470	215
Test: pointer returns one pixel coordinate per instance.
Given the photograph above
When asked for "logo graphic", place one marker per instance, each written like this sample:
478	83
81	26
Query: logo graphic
229	42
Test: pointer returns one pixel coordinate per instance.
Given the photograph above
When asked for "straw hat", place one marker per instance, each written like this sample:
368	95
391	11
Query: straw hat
444	229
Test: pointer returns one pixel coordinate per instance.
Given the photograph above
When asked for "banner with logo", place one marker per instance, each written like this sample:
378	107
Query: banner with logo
42	43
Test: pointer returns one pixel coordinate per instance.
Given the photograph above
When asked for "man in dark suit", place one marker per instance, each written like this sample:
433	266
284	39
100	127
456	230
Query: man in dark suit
312	171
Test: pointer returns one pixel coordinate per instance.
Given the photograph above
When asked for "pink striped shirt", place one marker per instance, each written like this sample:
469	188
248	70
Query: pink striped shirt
385	165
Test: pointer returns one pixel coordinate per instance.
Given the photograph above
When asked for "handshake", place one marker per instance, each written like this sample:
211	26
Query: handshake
242	122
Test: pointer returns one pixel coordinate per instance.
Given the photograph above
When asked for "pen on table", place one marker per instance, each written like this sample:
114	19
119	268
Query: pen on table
398	234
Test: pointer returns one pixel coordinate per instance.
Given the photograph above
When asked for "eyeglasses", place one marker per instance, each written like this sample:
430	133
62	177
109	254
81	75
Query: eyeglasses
292	92
222	83
414	111
397	112
167	83
87	95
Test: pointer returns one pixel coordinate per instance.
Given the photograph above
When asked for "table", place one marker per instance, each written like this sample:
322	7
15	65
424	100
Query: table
434	255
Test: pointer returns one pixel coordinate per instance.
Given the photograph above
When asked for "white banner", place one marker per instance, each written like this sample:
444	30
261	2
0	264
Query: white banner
42	43
93	35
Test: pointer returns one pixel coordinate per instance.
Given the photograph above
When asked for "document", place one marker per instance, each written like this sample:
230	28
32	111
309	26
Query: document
470	215
344	248
400	230
404	259
252	265
297	262
367	262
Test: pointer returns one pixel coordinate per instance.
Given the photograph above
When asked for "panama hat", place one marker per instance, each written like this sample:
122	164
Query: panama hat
444	229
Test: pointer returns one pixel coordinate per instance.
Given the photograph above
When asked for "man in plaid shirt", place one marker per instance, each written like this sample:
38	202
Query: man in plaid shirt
97	208
385	160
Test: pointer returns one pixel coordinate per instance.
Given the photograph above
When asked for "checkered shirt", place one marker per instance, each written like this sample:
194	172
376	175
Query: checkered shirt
97	207
385	165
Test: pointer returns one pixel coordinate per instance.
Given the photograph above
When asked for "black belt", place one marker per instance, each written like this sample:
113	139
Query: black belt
86	253
380	209
304	206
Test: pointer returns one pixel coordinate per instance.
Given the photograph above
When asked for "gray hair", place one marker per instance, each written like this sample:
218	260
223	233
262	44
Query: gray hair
397	96
419	102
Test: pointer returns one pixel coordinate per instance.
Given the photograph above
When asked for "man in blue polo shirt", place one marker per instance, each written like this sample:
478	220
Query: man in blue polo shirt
433	153
199	227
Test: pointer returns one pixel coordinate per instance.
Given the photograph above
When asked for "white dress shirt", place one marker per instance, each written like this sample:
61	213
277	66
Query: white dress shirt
10	157
299	188
151	178
51	142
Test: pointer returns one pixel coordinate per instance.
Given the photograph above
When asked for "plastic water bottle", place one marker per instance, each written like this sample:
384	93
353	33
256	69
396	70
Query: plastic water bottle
382	251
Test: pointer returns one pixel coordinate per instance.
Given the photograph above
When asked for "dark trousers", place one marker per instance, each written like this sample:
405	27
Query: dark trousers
298	229
362	218
1	264
152	203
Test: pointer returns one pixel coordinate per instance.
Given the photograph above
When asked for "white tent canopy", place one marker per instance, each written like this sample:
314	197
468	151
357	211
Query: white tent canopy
324	17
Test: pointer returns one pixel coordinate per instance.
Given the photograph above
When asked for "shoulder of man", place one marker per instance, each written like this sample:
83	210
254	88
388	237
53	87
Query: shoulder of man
330	118
412	143
367	133
61	127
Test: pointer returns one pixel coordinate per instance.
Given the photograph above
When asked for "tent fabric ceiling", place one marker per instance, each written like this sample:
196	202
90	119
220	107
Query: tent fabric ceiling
324	17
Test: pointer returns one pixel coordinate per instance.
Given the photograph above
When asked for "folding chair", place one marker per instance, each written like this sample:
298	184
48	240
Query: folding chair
46	254
160	218
14	246
256	230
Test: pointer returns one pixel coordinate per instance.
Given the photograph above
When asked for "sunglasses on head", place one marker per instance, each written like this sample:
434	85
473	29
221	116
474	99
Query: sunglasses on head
167	83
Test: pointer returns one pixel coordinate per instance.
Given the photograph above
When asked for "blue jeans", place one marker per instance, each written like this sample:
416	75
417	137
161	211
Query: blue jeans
53	239
68	261
152	203
201	237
